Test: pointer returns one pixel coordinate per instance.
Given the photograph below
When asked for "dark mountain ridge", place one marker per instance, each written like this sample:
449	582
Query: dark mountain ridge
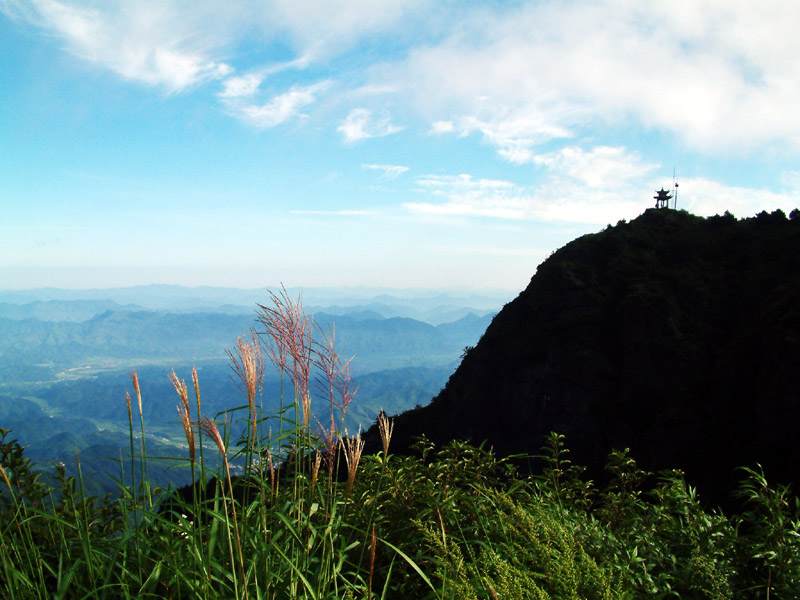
672	335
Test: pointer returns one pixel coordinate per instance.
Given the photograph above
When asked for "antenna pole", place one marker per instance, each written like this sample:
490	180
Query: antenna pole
674	188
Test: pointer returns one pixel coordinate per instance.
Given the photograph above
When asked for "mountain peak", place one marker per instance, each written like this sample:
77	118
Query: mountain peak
672	335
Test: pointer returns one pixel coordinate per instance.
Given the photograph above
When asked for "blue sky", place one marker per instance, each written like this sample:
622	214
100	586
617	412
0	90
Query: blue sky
394	144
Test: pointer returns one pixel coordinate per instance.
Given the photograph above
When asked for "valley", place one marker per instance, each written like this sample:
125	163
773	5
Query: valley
65	364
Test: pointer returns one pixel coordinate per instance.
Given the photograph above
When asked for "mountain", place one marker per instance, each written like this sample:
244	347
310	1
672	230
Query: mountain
672	335
121	335
152	297
436	315
66	357
61	310
434	307
398	342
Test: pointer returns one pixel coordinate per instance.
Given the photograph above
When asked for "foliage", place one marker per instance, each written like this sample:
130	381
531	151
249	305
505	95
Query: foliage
288	508
671	335
454	522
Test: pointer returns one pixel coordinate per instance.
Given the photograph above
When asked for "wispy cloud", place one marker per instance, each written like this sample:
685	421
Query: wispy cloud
361	123
155	44
596	186
387	171
514	136
467	197
241	85
555	199
344	213
277	110
704	197
577	185
599	168
720	76
325	28
175	44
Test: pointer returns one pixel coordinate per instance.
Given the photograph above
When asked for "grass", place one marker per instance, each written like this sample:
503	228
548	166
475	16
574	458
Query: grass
286	506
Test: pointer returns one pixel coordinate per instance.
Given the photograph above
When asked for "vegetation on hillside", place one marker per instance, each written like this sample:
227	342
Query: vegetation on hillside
289	508
673	335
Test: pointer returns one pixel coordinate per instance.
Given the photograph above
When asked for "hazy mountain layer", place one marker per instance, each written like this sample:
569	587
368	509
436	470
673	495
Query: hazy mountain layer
63	380
432	306
135	336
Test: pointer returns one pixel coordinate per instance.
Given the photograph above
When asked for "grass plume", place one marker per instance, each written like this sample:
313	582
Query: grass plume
247	362
450	522
385	429
353	447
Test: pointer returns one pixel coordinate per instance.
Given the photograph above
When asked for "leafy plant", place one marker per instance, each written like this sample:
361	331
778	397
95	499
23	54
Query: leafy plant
285	506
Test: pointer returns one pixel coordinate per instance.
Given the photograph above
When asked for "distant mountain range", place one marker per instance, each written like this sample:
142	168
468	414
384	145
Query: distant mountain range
66	355
672	335
378	342
433	306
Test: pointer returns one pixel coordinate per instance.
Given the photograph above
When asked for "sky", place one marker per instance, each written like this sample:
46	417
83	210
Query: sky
442	144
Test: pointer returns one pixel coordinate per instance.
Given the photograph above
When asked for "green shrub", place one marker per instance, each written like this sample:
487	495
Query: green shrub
308	517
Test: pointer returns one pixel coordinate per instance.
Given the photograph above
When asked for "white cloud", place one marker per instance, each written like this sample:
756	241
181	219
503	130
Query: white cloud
440	127
244	85
156	44
279	109
514	136
597	186
324	28
467	197
388	171
176	43
556	200
602	167
361	124
721	76
701	196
